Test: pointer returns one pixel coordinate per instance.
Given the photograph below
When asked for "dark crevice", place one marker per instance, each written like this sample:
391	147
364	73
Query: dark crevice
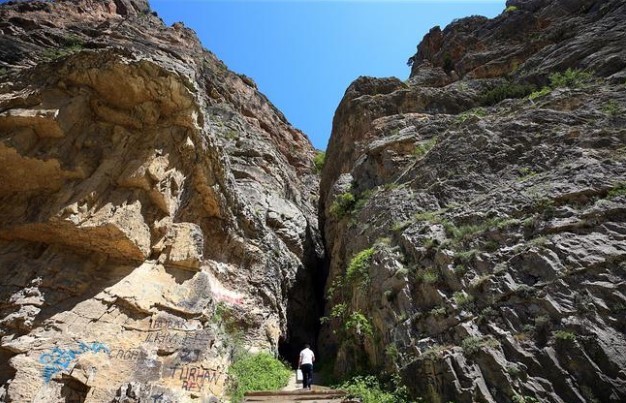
7	372
305	303
73	390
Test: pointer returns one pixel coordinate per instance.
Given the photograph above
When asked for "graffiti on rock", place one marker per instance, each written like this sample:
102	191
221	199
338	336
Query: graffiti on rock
222	294
59	359
194	378
166	323
132	354
200	338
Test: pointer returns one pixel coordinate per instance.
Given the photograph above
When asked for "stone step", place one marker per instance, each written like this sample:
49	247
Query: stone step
319	395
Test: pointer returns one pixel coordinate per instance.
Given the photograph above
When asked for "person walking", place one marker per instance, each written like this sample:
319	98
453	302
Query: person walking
307	358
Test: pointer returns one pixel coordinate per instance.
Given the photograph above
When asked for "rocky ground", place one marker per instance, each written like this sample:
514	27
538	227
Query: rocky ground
474	215
157	211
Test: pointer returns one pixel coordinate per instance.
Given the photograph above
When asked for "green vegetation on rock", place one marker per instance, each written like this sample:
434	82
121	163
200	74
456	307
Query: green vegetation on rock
564	336
572	78
618	190
473	344
357	270
318	160
429	276
69	45
462	299
343	205
358	325
612	108
506	91
256	372
476	112
423	147
524	399
370	390
540	93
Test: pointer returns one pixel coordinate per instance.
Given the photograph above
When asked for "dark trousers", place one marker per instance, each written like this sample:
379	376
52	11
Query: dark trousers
307	375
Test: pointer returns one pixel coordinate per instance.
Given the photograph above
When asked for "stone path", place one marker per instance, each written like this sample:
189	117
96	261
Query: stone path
293	393
292	384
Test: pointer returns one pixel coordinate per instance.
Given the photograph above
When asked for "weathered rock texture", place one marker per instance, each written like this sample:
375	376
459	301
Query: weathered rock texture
478	245
156	211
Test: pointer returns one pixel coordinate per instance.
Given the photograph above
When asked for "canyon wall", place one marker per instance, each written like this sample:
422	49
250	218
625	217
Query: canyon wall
474	215
157	211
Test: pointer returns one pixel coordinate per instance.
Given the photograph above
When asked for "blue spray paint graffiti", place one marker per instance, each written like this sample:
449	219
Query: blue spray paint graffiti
59	359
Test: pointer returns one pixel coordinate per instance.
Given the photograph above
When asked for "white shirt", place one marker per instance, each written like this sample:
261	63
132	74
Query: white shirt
306	356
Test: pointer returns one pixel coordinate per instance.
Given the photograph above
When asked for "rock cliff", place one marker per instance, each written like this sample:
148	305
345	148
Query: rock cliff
157	211
474	215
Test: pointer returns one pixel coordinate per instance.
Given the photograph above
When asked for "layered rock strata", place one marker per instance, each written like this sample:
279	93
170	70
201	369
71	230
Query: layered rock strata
475	223
157	212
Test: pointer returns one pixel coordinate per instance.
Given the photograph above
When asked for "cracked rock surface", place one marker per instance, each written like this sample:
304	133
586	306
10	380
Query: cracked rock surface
477	244
156	210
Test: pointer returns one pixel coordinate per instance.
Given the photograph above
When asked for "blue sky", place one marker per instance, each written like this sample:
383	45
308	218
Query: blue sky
304	54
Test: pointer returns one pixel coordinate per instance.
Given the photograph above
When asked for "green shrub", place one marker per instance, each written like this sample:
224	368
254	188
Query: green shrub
69	45
433	216
358	324
369	390
526	173
476	112
438	311
510	9
506	91
432	353
336	284
471	345
429	276
618	190
423	148
318	160
225	316
338	311
359	266
480	280
462	299
362	198
460	270
541	93
564	336
524	399
343	205
612	108
541	240
572	78
391	351
256	372
466	232
466	257
514	370
400	226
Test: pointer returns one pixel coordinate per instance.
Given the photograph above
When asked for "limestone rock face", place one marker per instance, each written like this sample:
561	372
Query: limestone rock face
156	210
532	38
476	235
